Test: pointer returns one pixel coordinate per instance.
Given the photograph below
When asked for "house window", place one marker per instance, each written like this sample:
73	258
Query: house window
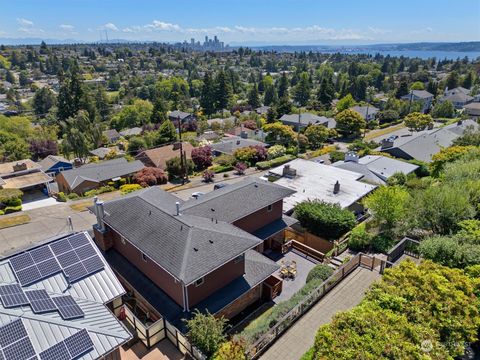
269	208
199	281
144	257
239	259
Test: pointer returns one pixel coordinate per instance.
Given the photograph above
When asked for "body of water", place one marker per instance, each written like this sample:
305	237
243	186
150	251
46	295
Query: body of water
422	54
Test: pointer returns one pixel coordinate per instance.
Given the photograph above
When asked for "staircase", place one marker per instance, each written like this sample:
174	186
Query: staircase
335	263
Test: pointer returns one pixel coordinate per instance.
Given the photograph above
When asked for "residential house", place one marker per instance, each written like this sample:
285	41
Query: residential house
53	164
102	152
195	254
111	135
87	328
218	123
158	157
229	145
95	175
473	109
423	96
131	132
25	175
262	110
183	116
376	169
423	145
315	181
306	119
459	97
368	113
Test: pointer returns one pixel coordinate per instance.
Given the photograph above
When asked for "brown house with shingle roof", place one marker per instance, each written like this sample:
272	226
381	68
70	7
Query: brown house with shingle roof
158	157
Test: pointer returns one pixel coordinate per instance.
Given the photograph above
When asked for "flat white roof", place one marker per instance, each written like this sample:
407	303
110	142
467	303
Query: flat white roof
315	181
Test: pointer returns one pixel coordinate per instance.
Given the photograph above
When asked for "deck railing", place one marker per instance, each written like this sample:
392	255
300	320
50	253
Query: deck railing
307	250
405	246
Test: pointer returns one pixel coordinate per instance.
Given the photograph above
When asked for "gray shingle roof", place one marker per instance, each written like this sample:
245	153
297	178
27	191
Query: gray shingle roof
238	200
187	246
422	94
228	146
178	114
101	171
457	97
362	110
51	160
306	119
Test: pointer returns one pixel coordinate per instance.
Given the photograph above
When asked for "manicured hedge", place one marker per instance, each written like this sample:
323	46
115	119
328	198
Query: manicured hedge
61	197
221	168
264	165
12	209
321	272
329	221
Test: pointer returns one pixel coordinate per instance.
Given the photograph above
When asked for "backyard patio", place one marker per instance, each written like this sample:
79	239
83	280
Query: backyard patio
292	284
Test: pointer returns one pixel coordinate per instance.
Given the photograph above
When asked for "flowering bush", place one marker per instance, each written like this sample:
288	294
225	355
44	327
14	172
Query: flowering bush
240	168
150	176
276	151
202	157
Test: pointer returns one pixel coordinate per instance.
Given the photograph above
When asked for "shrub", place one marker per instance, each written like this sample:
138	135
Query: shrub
12	209
225	160
206	332
202	157
359	238
128	188
150	176
321	272
221	168
61	197
231	350
208	176
240	168
251	154
13	202
323	219
98	191
337	156
263	165
226	175
174	167
73	196
2	212
9	194
276	151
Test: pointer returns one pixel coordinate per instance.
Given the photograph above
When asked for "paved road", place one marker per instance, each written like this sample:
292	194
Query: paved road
300	337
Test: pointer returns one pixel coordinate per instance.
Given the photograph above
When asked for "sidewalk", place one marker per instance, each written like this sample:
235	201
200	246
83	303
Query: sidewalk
300	337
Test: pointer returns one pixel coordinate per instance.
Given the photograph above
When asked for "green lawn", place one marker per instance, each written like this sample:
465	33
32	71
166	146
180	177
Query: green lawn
9	221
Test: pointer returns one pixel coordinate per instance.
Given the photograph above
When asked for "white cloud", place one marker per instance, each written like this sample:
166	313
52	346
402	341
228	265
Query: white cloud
24	22
109	26
378	31
30	30
426	30
67	27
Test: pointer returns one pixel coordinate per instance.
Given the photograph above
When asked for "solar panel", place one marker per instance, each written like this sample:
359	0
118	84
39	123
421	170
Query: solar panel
9	289
68	258
1	355
67	307
40	301
21	261
75	272
12	332
56	352
85	251
61	246
79	343
78	240
48	267
20	350
41	254
28	276
14	300
93	264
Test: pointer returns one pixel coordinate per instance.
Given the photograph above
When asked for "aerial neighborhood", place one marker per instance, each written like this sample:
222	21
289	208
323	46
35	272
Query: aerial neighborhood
204	201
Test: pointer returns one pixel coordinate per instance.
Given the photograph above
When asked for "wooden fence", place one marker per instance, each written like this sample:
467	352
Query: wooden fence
307	250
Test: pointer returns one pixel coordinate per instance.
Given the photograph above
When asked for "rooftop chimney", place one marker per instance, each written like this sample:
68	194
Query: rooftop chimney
459	122
386	143
238	142
336	188
352	156
100	212
288	171
19	167
177	204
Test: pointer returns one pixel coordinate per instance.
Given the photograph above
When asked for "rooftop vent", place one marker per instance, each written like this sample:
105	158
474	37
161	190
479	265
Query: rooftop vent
336	188
238	142
351	156
288	171
177	204
19	167
459	122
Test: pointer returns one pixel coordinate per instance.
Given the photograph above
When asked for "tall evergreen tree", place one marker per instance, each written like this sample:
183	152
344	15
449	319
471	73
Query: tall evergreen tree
283	86
326	92
253	97
270	95
302	90
223	91
207	98
159	113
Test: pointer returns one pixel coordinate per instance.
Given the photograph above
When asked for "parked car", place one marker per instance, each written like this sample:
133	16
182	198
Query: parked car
219	186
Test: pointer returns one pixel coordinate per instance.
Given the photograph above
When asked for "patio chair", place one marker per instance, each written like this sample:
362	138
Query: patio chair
284	272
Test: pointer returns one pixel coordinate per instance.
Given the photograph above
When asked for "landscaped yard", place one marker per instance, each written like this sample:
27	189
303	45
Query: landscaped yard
9	221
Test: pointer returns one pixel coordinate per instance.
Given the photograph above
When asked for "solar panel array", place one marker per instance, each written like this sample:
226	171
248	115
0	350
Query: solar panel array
15	343
67	307
70	348
75	256
40	301
12	295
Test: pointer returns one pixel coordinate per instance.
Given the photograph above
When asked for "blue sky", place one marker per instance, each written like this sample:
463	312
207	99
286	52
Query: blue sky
245	21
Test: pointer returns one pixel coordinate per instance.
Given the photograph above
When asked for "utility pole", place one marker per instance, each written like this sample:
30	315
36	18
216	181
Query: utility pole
410	101
182	163
298	130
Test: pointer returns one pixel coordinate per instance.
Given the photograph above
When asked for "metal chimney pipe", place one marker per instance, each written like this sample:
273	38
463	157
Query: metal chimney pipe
177	204
100	212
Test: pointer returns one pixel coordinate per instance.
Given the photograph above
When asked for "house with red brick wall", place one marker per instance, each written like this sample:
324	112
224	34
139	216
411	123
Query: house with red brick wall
200	254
